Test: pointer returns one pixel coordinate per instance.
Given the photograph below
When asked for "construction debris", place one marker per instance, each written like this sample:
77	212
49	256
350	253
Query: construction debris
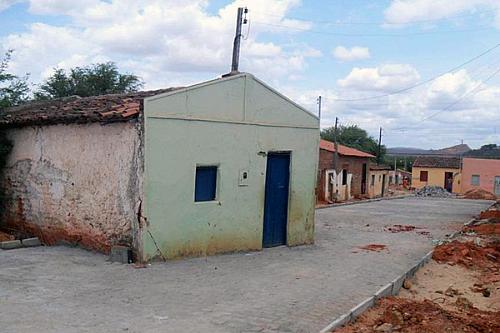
399	228
433	191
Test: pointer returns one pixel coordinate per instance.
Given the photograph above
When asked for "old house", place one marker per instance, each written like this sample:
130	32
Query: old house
437	171
481	173
220	166
378	180
347	179
400	177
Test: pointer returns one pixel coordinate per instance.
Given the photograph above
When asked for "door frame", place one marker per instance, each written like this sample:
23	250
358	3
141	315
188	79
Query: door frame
495	185
290	156
446	183
383	184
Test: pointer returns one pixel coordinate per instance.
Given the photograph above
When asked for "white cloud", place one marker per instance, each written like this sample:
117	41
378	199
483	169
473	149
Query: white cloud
385	78
4	4
355	53
408	11
420	117
155	38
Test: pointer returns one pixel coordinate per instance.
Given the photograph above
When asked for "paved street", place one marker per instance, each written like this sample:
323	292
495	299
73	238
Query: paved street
59	289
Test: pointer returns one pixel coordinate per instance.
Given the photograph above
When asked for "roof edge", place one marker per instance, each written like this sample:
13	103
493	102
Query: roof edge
228	77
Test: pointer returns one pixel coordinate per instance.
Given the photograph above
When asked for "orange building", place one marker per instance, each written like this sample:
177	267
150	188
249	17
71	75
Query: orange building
437	171
481	173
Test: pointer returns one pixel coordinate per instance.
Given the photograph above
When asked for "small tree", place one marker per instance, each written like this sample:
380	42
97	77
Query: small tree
13	89
93	80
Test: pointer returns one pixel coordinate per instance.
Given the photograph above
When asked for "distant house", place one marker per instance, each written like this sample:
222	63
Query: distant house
437	171
225	165
481	173
399	177
378	180
345	180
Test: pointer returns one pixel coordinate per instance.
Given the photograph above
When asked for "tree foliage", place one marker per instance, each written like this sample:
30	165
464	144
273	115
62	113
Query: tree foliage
355	137
13	89
486	151
93	80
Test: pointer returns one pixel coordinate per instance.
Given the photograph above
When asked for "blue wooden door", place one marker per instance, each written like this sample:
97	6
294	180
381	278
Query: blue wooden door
276	199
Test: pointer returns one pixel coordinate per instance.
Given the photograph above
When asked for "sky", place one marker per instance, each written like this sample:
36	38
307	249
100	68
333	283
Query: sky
426	71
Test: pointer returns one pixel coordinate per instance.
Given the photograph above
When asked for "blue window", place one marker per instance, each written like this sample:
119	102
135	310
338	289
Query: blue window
206	183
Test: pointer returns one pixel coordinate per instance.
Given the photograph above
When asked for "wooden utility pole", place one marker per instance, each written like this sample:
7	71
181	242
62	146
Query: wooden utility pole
336	145
237	38
335	158
379	145
319	109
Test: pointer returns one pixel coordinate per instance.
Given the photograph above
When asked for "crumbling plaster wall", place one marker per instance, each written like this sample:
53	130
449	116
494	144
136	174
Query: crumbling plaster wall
80	183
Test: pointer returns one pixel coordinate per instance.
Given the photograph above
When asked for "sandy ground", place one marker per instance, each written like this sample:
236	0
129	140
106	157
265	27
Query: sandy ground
443	284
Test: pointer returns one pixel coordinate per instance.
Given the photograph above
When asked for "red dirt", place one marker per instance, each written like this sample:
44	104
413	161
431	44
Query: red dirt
373	247
400	228
409	316
469	255
484	229
490	214
479	193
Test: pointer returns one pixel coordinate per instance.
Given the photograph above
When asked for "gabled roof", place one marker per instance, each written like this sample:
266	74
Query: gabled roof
104	108
382	167
343	150
437	162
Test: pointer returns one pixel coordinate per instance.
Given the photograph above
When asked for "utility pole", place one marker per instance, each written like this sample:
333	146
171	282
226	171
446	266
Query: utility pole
336	145
379	146
237	38
335	157
319	109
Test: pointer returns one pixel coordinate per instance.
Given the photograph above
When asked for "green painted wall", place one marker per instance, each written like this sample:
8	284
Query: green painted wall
231	123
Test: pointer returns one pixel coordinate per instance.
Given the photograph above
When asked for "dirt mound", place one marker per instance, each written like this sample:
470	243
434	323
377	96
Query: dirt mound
469	254
485	229
490	214
403	315
479	193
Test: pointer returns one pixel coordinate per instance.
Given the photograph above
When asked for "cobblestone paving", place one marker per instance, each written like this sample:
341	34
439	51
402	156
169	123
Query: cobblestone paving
301	289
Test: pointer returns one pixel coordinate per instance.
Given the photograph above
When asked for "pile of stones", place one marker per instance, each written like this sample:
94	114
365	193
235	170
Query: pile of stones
433	191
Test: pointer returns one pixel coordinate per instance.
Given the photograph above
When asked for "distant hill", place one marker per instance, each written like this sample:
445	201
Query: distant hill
457	150
486	151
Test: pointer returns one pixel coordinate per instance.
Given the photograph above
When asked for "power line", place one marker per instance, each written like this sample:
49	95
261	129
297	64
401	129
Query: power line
374	22
345	34
471	92
422	82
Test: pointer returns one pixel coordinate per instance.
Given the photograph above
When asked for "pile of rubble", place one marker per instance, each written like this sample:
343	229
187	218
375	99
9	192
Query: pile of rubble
433	191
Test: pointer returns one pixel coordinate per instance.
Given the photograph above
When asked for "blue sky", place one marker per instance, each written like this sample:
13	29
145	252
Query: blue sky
337	49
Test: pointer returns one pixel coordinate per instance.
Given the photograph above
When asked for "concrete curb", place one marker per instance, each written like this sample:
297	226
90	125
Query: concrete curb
389	289
16	244
9	245
364	201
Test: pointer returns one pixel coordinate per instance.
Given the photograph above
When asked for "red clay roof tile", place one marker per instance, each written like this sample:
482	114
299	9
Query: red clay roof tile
104	108
343	150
